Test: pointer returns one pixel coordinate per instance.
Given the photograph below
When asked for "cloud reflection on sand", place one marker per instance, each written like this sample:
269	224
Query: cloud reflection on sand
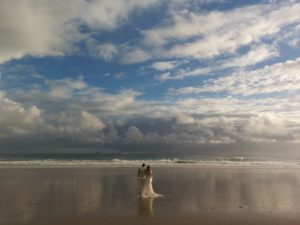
31	196
230	190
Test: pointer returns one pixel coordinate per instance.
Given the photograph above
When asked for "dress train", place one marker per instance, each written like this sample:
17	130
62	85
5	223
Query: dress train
147	190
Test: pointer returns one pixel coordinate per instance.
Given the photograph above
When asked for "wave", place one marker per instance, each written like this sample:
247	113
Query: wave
158	163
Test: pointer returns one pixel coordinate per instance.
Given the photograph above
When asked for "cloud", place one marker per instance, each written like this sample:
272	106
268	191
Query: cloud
181	74
89	121
120	75
105	51
64	88
58	27
106	14
92	117
276	78
16	120
38	29
53	28
133	134
185	119
267	126
163	65
205	35
263	127
189	42
135	55
257	54
290	37
72	96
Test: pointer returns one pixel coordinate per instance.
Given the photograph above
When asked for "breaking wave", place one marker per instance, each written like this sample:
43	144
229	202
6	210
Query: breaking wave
219	162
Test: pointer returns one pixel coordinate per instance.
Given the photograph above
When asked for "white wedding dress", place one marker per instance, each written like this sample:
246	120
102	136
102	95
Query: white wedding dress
147	190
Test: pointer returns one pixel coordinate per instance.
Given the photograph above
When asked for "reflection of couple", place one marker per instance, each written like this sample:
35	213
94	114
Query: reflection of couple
145	206
145	182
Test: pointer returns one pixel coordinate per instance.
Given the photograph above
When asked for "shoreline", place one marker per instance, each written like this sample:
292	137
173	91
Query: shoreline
101	164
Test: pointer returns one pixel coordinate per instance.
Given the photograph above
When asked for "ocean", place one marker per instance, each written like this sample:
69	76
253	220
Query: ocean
136	159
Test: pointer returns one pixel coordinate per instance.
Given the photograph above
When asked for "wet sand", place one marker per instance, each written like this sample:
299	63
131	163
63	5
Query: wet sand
63	196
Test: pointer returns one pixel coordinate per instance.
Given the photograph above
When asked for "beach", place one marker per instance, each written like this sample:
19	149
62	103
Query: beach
108	195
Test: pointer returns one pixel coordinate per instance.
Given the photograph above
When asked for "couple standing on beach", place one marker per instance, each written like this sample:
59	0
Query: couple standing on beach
145	177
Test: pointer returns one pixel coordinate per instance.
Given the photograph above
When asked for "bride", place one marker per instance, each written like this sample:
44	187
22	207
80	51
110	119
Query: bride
147	190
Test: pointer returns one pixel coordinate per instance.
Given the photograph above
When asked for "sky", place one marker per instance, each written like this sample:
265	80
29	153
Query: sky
151	75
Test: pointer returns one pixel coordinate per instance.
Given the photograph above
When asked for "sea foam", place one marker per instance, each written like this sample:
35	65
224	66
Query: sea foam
158	163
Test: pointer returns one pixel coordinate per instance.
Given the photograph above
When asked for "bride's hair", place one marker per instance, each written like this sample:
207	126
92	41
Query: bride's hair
148	171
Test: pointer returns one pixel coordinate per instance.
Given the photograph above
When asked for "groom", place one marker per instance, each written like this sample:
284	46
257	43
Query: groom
141	177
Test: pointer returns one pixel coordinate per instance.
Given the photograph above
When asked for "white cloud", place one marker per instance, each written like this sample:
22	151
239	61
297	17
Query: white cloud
263	127
89	121
268	126
54	28
280	77
291	37
180	74
135	56
74	95
106	14
185	119
15	119
37	29
106	51
118	104
163	65
65	88
43	28
92	116
205	35
257	54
